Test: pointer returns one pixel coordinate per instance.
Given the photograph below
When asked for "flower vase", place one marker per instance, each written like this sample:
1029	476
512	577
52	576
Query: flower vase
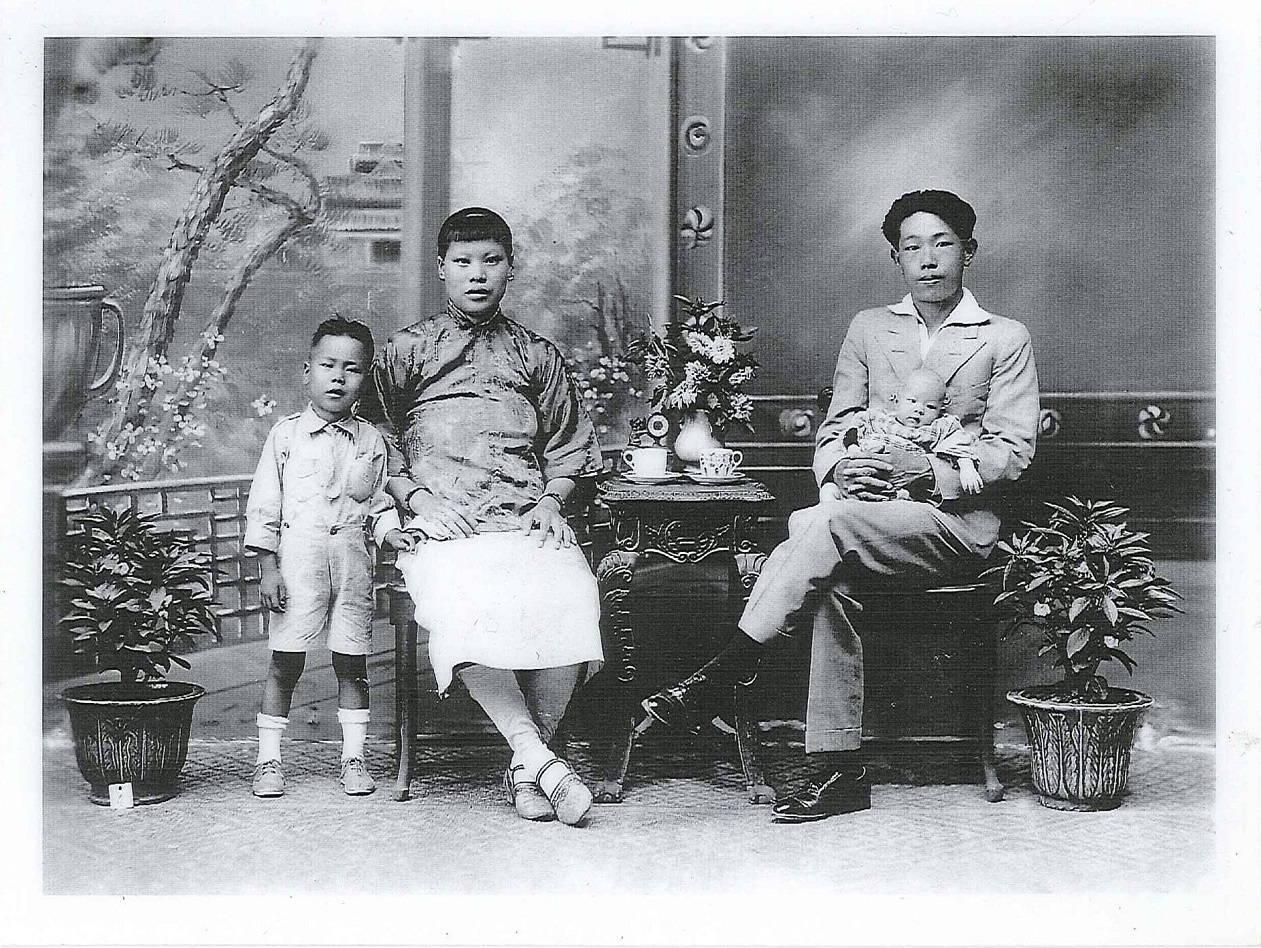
696	434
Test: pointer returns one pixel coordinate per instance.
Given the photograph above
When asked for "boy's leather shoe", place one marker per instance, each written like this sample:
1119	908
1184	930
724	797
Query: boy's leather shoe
269	779
843	792
356	780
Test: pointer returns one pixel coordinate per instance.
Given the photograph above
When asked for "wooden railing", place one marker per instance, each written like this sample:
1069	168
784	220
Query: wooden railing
211	510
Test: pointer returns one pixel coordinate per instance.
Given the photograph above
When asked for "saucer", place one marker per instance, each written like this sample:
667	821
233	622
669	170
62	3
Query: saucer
652	478
717	478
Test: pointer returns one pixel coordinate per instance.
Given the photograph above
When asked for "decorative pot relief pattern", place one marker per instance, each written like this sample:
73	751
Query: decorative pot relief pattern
1082	757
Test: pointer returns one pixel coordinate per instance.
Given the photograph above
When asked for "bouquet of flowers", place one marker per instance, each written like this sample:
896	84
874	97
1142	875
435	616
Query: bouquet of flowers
696	365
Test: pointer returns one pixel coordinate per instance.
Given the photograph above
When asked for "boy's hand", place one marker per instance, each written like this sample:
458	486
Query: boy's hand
271	588
400	540
829	491
545	519
436	518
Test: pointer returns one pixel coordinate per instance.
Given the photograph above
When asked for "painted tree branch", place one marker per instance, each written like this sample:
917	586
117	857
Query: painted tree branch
202	352
162	308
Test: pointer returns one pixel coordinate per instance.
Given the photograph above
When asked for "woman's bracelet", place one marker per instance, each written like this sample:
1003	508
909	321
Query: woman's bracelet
407	501
560	501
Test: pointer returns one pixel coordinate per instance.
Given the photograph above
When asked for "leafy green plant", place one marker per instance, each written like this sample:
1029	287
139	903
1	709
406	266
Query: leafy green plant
696	364
1087	582
135	593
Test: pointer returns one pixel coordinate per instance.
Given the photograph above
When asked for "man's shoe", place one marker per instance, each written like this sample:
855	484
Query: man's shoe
356	780
269	780
679	705
843	792
688	704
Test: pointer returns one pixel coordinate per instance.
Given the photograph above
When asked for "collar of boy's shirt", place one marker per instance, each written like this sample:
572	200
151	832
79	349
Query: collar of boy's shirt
464	319
311	423
967	312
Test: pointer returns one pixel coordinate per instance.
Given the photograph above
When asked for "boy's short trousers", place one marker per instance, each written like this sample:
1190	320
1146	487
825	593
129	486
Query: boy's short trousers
328	577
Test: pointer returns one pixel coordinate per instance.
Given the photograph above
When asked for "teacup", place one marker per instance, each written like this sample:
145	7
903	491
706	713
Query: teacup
645	462
720	462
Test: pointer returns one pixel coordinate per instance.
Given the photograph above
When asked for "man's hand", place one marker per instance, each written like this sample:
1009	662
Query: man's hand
864	475
271	587
829	491
546	521
912	472
399	540
437	518
879	475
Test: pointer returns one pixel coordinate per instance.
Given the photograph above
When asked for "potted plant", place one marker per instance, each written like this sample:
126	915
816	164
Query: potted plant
1086	582
698	374
135	592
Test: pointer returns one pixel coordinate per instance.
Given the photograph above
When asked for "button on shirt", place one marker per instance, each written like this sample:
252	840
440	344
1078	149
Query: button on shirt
319	476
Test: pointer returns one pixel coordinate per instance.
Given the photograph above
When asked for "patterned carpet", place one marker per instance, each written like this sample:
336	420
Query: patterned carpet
685	826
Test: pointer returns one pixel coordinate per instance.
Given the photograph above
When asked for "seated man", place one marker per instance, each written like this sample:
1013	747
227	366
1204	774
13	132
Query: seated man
860	525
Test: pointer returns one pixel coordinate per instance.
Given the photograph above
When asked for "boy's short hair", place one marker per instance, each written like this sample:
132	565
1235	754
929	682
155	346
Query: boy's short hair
335	325
947	205
474	223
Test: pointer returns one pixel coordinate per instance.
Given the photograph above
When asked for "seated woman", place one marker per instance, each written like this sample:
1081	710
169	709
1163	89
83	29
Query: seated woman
493	436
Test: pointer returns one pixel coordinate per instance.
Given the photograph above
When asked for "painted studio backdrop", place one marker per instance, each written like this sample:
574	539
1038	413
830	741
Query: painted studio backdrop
568	138
754	170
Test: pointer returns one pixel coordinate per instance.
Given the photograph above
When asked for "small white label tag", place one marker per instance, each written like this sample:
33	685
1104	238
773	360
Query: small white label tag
120	796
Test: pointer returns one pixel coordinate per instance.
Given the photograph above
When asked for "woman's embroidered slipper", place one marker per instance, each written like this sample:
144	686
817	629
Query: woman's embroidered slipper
524	794
569	796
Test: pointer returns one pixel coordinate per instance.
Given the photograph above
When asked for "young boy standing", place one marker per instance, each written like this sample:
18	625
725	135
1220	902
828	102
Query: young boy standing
320	480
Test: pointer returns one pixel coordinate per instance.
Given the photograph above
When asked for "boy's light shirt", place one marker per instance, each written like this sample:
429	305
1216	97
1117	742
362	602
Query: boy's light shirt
321	456
967	312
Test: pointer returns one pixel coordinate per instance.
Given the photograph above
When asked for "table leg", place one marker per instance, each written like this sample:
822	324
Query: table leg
406	713
748	737
985	648
614	575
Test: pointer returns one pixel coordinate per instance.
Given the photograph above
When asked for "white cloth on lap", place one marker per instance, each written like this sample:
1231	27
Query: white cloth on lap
499	599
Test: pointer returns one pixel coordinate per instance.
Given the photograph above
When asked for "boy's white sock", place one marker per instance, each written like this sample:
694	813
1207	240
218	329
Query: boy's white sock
270	729
354	723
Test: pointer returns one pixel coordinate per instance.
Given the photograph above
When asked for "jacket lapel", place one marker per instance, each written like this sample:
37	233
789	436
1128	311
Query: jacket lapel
900	343
953	347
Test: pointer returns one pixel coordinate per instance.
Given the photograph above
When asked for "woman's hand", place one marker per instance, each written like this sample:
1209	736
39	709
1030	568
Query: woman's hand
437	518
400	541
545	519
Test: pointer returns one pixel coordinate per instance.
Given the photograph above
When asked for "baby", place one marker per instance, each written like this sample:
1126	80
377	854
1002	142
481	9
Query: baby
917	424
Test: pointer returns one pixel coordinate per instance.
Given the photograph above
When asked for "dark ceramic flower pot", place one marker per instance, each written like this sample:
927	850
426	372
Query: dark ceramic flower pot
1080	753
132	733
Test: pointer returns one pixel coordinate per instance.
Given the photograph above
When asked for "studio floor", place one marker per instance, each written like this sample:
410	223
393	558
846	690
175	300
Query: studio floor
684	826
